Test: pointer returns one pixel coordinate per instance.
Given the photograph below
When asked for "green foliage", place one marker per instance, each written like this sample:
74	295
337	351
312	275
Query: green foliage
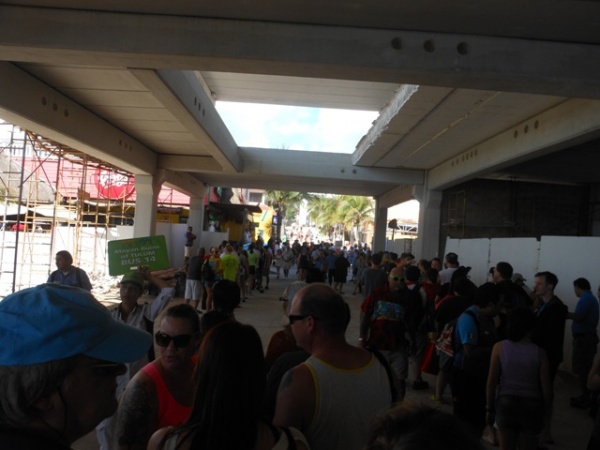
333	214
288	203
341	213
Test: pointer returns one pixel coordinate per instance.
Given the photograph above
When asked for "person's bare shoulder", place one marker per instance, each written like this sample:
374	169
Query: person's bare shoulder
137	413
155	441
295	404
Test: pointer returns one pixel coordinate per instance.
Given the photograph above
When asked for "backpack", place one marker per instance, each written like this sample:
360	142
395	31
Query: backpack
388	370
445	343
519	298
208	274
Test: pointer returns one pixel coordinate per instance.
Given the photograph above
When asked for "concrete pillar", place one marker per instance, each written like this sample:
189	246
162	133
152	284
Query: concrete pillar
594	213
196	216
380	227
428	241
147	188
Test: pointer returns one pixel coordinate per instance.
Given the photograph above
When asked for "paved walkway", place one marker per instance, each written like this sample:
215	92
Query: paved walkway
572	427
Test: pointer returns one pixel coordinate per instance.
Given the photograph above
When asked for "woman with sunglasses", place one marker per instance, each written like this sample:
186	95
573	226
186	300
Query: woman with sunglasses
230	384
161	393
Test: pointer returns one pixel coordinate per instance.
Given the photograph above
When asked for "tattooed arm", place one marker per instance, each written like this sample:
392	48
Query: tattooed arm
296	399
137	413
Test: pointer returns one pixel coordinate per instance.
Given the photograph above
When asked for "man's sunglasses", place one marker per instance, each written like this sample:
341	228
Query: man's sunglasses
394	278
163	340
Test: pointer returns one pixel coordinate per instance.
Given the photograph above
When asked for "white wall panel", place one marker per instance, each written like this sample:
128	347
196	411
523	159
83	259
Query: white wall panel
568	257
521	253
473	253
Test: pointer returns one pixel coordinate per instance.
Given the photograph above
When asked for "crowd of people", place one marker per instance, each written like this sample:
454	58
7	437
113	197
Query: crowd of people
498	346
251	267
69	365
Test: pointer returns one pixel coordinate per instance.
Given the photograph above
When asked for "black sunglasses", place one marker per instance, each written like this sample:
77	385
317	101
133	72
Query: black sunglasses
163	340
394	278
296	317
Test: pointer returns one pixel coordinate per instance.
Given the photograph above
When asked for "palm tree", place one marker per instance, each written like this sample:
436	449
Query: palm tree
286	202
318	211
356	212
336	214
323	210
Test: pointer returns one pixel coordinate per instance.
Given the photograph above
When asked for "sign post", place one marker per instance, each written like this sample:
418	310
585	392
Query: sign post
127	254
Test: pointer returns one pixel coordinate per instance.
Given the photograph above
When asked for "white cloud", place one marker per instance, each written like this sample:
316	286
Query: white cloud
296	128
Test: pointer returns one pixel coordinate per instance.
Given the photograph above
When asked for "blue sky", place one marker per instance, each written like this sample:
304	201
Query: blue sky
295	128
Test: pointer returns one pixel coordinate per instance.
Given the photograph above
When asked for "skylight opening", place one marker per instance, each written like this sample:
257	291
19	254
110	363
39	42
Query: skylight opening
295	127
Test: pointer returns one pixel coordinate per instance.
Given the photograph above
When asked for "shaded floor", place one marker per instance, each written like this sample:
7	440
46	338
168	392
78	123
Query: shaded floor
572	427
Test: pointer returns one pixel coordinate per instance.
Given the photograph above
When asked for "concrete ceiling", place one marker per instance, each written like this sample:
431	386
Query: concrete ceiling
465	89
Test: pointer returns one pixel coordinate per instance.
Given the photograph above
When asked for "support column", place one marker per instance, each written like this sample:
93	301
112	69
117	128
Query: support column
196	216
428	241
380	227
147	189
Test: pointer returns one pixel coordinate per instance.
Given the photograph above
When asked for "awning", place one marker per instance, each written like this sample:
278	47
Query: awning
46	211
49	211
231	209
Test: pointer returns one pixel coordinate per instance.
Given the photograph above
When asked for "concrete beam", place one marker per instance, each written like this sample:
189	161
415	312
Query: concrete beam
378	141
296	171
396	196
567	124
568	69
35	106
185	183
293	163
329	166
189	108
207	122
185	163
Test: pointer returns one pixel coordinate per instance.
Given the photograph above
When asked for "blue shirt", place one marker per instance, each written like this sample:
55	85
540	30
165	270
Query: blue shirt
479	331
189	239
589	309
74	277
352	257
466	331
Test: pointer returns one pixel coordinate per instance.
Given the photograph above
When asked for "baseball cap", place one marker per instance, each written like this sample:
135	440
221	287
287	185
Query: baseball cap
134	277
517	277
51	321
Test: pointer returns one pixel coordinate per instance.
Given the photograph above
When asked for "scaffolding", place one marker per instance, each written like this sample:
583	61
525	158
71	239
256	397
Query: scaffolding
47	206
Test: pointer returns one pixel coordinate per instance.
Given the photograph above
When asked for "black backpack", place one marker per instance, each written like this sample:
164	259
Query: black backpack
208	274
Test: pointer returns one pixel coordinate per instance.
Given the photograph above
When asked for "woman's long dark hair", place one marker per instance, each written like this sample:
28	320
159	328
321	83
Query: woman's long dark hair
230	385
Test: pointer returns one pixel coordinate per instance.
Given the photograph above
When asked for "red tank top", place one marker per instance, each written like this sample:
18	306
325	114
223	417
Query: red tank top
170	411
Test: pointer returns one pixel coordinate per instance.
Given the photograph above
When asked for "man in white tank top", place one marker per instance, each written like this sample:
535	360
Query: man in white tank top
334	396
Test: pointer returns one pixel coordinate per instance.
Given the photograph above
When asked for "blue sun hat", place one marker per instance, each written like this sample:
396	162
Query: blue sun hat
51	322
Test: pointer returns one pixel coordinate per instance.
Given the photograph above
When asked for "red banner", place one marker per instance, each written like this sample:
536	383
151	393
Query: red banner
112	185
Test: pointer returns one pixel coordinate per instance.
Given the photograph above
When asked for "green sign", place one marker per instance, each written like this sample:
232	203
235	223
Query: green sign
127	254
